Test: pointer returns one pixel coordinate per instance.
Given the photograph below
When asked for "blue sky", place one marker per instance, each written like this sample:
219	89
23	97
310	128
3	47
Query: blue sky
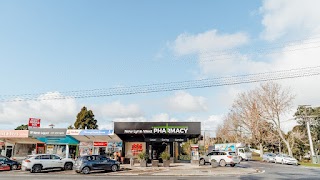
58	46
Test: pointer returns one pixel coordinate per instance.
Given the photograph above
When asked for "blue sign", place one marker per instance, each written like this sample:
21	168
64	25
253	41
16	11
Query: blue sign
96	132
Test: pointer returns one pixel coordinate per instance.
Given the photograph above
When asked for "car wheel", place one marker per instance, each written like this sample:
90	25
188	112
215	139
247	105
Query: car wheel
68	166
14	167
36	168
241	159
232	165
85	170
222	163
114	168
202	162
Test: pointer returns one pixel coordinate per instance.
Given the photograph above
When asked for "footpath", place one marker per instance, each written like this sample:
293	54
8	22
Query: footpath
183	169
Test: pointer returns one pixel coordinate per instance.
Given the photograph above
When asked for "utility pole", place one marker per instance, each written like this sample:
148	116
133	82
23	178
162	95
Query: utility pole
307	120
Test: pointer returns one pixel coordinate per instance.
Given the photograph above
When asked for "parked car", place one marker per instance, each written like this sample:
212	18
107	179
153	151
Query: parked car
86	164
285	159
222	157
39	162
268	157
4	167
14	165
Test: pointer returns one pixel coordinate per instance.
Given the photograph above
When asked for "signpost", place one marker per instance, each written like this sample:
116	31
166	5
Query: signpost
34	123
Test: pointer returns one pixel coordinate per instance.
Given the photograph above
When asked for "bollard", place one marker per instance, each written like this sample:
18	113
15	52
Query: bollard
131	162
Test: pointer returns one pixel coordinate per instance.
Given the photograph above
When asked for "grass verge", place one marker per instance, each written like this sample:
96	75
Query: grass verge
309	164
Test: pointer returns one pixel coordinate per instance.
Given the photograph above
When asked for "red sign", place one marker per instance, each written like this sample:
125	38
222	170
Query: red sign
104	144
136	149
34	122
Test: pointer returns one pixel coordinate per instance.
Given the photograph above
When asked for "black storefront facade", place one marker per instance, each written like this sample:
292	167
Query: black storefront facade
155	137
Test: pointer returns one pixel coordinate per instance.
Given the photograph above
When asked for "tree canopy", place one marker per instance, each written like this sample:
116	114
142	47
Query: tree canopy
85	120
22	127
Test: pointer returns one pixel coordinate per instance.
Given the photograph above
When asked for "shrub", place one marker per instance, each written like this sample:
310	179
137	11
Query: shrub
165	155
143	156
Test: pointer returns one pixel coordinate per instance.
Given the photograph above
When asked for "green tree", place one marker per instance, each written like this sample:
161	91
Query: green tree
304	113
85	120
22	127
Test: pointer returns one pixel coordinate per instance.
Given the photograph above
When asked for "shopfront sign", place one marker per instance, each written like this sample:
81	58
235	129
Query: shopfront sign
34	123
47	132
173	128
88	132
165	139
101	144
13	133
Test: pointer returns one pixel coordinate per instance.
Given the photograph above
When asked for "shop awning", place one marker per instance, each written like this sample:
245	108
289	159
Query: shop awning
59	140
93	135
22	140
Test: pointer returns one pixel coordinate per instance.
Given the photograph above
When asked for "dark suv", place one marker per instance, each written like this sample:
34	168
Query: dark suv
14	165
86	164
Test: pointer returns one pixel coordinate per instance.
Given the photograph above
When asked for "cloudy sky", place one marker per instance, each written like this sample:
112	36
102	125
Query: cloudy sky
53	47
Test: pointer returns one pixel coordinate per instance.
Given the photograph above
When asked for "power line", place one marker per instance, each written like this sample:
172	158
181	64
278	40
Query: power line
170	86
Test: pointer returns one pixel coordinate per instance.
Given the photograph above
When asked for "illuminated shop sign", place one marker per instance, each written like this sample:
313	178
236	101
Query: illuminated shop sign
173	128
170	129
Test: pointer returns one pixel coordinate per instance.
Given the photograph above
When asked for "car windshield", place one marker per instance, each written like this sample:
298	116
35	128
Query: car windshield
246	150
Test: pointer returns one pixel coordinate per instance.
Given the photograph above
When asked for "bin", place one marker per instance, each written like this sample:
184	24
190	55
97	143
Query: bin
315	159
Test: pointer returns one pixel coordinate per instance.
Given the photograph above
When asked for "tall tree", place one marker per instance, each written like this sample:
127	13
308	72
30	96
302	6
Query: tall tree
22	127
247	112
275	102
85	120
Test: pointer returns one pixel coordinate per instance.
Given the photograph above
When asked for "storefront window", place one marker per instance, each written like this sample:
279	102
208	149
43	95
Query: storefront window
85	148
22	150
57	149
134	148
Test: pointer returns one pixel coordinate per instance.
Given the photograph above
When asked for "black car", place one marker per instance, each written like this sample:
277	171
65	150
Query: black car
86	164
14	165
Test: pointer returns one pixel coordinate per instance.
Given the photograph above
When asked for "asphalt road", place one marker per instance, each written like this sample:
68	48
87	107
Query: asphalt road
269	171
280	171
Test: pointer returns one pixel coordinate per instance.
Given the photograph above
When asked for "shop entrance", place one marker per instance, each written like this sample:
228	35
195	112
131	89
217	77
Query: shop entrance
9	151
73	151
156	148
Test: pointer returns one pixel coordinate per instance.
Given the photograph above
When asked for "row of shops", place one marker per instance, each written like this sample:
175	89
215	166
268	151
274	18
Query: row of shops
128	139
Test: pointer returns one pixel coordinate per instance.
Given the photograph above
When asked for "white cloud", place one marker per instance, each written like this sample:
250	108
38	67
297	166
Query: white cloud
163	117
118	110
208	124
186	44
185	102
215	52
61	113
292	18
